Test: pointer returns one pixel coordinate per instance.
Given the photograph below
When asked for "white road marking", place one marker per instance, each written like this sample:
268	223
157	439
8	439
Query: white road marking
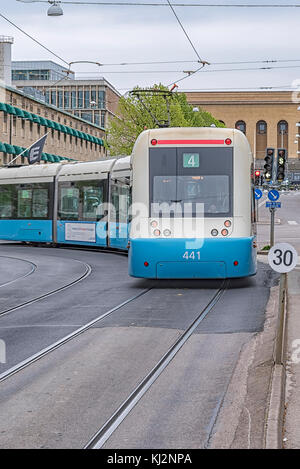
292	222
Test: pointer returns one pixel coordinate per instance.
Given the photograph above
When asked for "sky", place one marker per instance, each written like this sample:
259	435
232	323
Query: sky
118	34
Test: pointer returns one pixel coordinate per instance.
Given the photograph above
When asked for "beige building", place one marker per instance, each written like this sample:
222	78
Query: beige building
24	119
268	118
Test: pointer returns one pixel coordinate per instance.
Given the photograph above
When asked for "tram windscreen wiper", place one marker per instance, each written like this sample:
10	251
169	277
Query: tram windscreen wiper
177	201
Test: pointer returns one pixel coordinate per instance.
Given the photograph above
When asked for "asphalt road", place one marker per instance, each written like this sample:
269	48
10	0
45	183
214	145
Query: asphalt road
63	399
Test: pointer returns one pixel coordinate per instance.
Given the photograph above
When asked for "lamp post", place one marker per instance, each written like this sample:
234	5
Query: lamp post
54	10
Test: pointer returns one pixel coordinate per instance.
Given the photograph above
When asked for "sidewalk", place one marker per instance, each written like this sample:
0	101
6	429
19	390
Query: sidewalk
291	430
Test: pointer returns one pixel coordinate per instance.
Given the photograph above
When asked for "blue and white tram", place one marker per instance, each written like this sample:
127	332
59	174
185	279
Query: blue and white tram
193	203
84	203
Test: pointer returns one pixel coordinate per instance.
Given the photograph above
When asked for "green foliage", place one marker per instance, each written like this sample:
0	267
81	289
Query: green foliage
123	131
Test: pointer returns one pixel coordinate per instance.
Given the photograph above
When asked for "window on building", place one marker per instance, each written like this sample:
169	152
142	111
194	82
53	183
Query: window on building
261	139
87	99
241	125
80	98
66	99
101	99
282	134
5	120
261	127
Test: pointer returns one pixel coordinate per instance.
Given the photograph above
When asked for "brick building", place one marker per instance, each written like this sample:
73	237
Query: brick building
268	118
24	119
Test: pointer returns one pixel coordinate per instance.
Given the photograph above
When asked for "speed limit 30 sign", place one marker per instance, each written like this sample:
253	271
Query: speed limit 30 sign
283	258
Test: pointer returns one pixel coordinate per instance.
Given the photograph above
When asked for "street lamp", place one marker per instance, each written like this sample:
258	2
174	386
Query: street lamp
54	10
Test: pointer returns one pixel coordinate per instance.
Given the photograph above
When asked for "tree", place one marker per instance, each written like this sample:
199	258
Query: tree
137	115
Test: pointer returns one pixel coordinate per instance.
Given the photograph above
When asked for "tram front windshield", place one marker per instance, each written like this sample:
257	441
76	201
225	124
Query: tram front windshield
191	181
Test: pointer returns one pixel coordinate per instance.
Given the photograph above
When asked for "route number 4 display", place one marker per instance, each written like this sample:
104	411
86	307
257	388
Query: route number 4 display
283	258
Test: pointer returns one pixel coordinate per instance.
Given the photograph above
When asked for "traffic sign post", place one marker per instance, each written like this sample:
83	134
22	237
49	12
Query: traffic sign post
282	258
273	196
258	195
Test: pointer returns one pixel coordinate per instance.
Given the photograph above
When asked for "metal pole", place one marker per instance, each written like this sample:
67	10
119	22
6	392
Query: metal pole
279	350
256	210
272	225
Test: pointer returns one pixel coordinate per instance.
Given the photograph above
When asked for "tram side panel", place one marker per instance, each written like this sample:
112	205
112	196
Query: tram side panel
26	203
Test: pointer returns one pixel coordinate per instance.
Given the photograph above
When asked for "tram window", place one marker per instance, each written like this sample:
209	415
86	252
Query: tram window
24	203
33	201
82	200
92	200
6	201
40	203
120	199
69	203
191	176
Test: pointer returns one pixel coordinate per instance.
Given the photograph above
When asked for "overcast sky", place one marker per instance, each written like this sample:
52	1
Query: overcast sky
115	34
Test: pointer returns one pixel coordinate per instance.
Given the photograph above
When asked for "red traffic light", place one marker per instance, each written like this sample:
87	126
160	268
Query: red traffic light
257	173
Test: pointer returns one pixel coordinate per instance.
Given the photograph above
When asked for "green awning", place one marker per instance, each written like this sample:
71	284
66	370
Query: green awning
9	149
28	115
36	119
2	147
19	112
18	149
56	125
10	109
3	107
50	124
43	121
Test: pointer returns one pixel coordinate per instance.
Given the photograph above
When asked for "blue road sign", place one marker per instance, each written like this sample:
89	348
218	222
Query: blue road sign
273	195
273	204
258	194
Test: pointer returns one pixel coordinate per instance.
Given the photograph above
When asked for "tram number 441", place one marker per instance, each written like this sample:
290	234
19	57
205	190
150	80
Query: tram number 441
283	257
194	255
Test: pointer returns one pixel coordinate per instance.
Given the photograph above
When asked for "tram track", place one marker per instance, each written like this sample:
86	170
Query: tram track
51	348
87	272
104	433
33	269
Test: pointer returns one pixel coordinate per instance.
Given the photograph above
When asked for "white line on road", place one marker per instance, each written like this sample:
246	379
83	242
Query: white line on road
292	222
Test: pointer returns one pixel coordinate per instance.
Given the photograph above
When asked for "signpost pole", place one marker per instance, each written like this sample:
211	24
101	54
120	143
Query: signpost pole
256	209
272	226
279	352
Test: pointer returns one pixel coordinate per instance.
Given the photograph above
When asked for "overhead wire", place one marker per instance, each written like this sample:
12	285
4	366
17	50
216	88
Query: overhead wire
35	40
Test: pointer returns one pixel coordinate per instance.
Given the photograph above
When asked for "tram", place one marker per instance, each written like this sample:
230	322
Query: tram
194	197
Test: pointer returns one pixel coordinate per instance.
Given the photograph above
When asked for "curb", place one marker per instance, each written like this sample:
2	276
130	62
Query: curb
274	424
276	408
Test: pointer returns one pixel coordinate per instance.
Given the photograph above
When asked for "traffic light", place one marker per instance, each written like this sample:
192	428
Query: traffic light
281	164
257	178
269	163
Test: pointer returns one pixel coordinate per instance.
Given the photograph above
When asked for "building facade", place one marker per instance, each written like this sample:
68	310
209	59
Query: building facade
268	118
95	101
39	70
24	119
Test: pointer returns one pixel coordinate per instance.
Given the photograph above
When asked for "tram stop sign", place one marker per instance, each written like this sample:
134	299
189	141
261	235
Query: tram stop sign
283	258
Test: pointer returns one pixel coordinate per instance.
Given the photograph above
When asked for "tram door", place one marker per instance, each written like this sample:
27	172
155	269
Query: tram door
120	201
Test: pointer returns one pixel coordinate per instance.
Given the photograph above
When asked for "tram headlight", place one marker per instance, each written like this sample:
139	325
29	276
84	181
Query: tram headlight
167	232
154	224
224	232
227	223
214	232
156	233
